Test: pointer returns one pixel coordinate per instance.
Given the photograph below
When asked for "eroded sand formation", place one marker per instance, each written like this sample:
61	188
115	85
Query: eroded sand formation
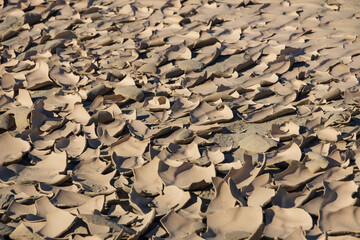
224	119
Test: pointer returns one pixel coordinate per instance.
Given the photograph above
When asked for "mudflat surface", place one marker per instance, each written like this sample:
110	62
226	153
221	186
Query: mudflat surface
179	119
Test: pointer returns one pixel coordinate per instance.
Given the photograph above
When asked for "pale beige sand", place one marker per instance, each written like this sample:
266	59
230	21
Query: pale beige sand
195	119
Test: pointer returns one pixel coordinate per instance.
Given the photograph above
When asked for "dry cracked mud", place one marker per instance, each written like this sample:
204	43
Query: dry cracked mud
180	119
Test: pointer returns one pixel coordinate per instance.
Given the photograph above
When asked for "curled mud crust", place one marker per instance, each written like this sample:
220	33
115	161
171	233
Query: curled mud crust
196	119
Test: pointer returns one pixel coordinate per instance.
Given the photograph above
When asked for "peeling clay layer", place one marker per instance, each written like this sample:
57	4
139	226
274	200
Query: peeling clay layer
197	119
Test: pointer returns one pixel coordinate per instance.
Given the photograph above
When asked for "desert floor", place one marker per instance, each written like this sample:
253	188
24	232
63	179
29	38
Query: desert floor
183	119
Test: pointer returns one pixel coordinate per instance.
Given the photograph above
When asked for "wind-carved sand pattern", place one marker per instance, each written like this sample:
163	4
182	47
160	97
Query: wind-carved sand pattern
197	119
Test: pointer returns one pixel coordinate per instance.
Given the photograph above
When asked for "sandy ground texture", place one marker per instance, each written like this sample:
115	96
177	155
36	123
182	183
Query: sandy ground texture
181	119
